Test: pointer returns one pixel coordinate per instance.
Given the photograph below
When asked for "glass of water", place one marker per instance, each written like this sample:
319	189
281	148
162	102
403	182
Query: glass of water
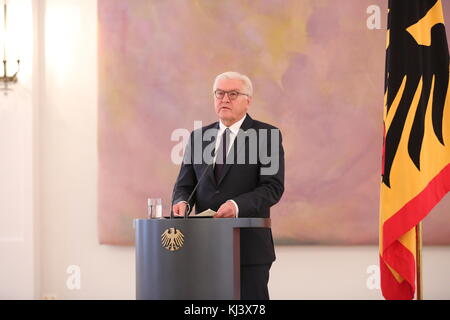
154	208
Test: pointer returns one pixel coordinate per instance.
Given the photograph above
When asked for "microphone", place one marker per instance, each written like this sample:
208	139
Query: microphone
186	214
172	199
171	204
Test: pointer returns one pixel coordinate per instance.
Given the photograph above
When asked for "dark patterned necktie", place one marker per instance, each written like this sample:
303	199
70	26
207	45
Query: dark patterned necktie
221	154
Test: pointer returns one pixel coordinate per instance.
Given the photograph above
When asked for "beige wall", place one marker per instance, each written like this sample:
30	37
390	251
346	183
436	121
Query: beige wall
67	170
347	273
18	237
68	158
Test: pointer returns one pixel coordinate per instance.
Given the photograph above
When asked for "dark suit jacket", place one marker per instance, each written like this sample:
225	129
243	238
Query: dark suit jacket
253	192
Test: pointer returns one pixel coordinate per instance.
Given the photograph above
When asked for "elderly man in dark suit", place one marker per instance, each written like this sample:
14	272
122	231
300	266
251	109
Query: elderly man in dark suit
243	177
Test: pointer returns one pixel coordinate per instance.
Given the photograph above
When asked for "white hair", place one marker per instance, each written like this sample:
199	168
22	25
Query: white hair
248	87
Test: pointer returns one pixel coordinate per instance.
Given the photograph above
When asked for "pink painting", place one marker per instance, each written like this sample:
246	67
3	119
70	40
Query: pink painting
318	75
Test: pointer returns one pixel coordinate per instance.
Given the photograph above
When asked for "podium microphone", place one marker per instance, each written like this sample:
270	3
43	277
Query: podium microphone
171	206
186	214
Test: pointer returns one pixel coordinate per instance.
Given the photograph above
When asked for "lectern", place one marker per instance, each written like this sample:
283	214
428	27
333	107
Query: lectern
189	259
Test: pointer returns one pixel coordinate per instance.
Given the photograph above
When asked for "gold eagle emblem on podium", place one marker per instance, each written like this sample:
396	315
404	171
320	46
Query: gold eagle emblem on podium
172	239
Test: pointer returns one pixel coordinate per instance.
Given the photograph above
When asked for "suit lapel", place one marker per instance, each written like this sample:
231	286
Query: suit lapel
247	124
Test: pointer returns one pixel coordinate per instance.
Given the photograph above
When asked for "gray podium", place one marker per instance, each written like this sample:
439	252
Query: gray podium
189	259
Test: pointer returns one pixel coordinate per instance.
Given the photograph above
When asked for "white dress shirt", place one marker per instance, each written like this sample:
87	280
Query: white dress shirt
234	130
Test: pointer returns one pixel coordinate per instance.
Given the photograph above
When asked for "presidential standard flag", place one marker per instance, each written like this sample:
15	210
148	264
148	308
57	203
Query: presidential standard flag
416	145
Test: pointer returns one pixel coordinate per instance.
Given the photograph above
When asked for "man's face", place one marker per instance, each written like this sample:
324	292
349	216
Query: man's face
231	111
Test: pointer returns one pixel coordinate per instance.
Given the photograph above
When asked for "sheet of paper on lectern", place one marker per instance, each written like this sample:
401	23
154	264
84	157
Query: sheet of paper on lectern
206	213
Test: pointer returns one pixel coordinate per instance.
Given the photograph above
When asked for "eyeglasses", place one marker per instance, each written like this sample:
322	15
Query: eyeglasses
232	94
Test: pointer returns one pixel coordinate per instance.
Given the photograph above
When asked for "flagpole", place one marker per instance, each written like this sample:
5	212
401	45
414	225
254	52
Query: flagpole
419	261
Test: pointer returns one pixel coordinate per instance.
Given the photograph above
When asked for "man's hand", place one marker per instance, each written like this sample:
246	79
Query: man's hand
179	209
226	210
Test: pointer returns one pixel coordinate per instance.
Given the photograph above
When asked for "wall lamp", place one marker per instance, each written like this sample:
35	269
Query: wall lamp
7	79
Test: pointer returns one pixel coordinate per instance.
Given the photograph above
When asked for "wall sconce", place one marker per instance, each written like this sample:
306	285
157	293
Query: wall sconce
5	78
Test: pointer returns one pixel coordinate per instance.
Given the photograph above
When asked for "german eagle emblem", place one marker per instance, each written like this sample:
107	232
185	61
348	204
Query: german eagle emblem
172	239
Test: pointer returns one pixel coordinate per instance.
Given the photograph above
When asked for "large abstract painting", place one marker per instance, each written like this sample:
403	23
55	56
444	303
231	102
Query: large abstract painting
317	68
